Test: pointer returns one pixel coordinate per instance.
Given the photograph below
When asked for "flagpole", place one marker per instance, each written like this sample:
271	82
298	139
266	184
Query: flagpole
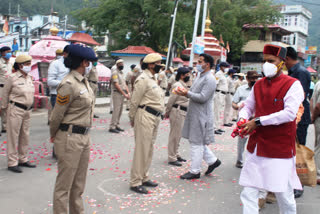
171	33
205	6
195	28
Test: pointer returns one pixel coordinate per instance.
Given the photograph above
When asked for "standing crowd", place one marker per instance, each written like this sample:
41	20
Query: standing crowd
203	100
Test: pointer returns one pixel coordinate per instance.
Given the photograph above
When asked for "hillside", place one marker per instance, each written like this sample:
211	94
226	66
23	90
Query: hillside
314	7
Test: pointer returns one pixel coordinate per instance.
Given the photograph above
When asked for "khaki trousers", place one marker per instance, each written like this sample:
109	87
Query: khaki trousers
111	101
177	118
118	100
3	114
145	134
228	109
73	152
317	146
219	103
17	134
128	102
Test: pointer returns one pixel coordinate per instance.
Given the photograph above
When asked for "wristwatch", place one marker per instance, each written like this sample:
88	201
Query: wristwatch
257	121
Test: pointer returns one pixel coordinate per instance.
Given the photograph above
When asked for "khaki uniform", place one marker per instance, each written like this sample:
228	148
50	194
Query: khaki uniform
146	93
228	113
163	80
220	97
18	91
177	110
130	78
117	98
75	103
171	81
5	71
93	79
316	99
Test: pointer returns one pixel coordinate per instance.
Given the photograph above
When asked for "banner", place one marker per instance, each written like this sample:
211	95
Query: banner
199	46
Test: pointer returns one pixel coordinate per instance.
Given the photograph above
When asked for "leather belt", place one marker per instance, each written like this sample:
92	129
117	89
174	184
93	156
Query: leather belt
152	111
24	107
94	82
222	92
75	129
1	85
181	107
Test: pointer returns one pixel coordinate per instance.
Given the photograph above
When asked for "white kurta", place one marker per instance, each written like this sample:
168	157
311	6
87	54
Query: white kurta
272	174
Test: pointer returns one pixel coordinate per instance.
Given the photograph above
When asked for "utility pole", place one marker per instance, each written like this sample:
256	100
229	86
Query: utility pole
205	6
195	28
173	16
18	10
65	26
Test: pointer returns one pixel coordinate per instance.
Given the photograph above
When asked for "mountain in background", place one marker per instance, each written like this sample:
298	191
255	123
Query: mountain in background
314	29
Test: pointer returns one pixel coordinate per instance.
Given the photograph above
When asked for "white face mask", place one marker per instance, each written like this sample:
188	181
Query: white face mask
88	69
59	57
269	69
26	69
226	70
199	68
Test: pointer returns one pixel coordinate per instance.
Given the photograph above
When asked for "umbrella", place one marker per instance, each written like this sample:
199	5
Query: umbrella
104	73
83	38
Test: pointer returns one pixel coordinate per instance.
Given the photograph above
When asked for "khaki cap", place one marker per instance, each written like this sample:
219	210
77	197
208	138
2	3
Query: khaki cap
119	61
22	58
152	58
59	51
163	65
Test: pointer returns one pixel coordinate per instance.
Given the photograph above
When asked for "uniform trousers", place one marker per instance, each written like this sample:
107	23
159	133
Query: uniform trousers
17	134
118	100
317	146
73	152
3	114
228	109
219	103
145	134
241	147
177	118
250	197
200	152
111	101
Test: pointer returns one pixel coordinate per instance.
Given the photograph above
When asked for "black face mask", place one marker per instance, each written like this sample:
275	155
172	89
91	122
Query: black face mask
186	79
120	67
252	83
157	68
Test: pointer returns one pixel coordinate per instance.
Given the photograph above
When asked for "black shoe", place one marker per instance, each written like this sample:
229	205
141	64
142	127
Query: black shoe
27	164
4	131
217	132
119	129
190	176
234	120
149	183
95	116
111	112
15	169
297	193
239	165
128	109
54	156
220	130
114	131
139	189
175	163
180	159
213	166
227	124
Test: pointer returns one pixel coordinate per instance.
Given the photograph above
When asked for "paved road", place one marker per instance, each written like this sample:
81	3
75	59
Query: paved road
107	189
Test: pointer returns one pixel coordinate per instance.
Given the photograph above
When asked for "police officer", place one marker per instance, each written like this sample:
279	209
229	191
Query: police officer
5	71
228	102
70	122
176	110
162	78
17	100
93	79
220	95
130	78
147	106
119	92
172	79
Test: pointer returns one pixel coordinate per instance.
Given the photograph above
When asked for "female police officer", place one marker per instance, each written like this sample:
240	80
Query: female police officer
147	106
17	100
70	122
176	110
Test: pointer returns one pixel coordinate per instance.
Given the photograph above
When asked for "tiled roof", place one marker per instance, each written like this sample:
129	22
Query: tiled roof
135	50
83	38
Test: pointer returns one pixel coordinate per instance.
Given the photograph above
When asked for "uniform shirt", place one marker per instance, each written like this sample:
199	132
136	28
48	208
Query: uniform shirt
230	82
172	80
117	77
146	92
176	99
130	75
75	103
56	72
93	79
5	70
241	94
163	79
221	80
239	83
19	89
302	74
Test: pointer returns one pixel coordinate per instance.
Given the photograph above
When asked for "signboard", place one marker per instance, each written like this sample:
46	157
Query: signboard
245	67
199	46
307	62
311	50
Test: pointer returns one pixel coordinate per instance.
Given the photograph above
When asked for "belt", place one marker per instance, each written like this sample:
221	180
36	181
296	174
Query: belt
231	93
222	92
1	85
152	111
75	129
21	105
94	82
181	107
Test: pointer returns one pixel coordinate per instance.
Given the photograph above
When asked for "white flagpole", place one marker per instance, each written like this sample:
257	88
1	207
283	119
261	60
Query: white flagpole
195	28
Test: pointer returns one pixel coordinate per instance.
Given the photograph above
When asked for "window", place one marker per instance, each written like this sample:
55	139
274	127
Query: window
276	37
262	35
295	20
252	57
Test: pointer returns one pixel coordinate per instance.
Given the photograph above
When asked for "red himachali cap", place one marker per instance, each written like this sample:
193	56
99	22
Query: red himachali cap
275	50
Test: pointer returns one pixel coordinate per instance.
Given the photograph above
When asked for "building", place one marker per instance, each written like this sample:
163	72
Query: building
251	59
296	19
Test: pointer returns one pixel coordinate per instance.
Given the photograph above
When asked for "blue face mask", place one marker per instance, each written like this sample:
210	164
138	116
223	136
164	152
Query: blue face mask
199	68
7	56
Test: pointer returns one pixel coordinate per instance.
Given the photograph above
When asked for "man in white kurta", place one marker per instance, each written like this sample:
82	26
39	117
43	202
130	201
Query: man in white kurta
270	165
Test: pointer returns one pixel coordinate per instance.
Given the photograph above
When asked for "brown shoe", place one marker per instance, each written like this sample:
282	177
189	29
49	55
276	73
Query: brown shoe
318	181
271	198
262	202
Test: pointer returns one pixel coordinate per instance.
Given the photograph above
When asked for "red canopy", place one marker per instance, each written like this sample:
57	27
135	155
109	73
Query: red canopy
311	70
83	38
